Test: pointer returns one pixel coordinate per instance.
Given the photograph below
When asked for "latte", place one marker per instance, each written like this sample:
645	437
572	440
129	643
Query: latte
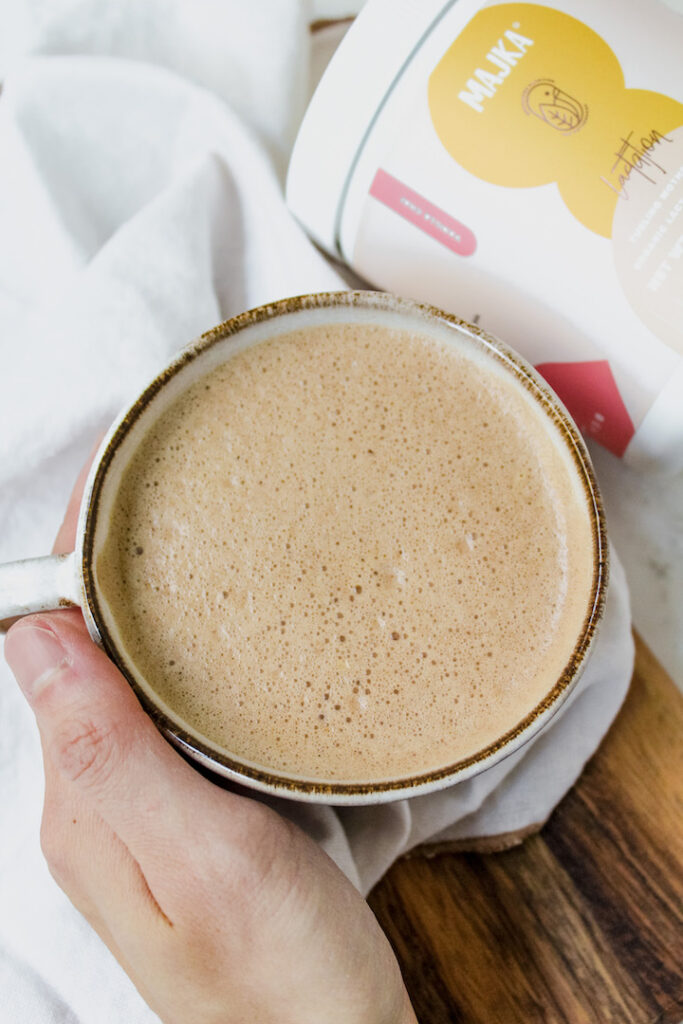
350	553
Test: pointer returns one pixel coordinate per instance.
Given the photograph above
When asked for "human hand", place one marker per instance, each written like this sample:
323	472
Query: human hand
218	909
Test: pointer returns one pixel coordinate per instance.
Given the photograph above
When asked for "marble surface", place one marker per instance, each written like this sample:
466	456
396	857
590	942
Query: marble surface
645	521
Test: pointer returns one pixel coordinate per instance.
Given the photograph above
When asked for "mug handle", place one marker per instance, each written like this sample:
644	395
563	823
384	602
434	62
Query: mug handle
37	585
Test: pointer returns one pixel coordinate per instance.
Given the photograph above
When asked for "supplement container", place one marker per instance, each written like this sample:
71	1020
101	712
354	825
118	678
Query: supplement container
520	165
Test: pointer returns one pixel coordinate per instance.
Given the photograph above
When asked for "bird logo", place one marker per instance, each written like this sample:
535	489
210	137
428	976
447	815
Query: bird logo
561	111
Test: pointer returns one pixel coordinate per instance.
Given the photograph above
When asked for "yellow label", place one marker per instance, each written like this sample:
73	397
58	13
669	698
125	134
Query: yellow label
527	95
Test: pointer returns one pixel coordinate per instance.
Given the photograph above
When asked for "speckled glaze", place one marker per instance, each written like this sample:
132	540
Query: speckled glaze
343	793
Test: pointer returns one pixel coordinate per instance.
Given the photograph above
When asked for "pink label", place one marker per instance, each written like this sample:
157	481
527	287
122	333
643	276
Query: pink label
424	215
590	393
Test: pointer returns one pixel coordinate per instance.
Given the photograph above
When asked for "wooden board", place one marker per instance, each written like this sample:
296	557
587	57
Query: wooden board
582	923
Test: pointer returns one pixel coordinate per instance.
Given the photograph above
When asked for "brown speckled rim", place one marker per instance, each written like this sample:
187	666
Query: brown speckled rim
374	792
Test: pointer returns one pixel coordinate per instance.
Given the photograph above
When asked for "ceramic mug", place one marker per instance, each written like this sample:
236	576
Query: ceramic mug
56	581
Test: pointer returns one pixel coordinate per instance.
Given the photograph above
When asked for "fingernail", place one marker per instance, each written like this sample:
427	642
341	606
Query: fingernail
34	654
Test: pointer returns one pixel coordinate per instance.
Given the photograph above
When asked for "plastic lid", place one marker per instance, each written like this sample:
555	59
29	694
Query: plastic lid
369	60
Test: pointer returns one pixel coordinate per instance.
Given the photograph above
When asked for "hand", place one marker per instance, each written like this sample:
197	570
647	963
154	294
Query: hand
218	909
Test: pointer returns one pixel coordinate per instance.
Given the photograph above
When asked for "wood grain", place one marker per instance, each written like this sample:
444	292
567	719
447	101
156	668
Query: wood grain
583	923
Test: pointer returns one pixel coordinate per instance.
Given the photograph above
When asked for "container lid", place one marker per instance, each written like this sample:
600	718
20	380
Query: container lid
368	62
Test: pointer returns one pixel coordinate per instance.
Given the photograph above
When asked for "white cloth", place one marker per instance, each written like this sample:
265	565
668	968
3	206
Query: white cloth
139	206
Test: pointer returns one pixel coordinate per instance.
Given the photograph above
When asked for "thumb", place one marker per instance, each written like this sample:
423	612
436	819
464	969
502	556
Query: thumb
97	736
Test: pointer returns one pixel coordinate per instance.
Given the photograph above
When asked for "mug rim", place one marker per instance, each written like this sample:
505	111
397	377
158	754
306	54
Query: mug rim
301	789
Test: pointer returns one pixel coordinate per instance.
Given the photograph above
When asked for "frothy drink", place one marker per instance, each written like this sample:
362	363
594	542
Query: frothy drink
350	553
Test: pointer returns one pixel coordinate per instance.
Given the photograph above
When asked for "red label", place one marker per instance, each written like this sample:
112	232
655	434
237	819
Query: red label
424	215
590	393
